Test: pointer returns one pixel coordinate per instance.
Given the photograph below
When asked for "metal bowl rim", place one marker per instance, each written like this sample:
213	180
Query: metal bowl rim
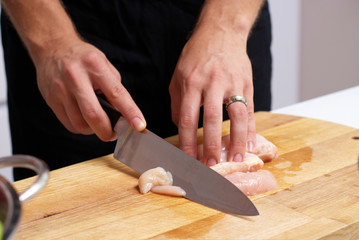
14	209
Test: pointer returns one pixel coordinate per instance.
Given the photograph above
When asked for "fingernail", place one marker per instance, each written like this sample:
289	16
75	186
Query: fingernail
250	146
138	124
211	162
237	158
114	137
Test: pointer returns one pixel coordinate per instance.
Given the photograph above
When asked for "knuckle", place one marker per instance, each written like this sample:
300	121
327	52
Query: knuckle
216	73
238	112
212	113
117	91
92	58
189	149
131	111
95	61
187	121
238	143
70	68
70	78
213	146
91	114
191	82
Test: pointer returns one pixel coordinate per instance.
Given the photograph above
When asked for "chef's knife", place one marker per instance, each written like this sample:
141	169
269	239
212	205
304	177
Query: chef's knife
145	150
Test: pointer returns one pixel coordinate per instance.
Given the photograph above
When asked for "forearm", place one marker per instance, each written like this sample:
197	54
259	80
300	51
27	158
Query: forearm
41	24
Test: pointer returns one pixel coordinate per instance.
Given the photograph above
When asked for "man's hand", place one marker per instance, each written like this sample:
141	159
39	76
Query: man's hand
214	66
69	70
68	76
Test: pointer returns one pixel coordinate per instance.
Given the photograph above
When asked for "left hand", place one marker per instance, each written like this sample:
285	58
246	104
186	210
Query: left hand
213	66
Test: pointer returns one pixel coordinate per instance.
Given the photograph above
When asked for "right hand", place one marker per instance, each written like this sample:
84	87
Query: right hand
69	74
213	66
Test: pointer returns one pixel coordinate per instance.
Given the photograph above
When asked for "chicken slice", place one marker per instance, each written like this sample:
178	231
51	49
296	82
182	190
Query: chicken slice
253	183
246	175
250	163
174	191
154	177
159	181
264	149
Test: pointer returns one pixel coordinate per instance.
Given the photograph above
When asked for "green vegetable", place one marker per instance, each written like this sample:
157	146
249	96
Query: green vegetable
1	230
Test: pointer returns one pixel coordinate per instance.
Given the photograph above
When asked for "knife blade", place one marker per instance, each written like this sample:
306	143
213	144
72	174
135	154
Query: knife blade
145	150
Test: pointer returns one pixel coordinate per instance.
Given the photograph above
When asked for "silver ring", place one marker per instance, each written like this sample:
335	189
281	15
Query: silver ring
235	98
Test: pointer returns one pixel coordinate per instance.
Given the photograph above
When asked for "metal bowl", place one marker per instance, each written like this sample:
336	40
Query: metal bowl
10	201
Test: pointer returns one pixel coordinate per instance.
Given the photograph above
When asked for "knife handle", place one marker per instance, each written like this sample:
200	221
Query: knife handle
112	113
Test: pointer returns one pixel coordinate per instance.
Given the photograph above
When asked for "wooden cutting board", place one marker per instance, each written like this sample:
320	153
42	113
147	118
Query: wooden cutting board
317	195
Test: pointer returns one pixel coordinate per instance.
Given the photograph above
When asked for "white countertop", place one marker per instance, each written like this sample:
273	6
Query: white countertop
341	107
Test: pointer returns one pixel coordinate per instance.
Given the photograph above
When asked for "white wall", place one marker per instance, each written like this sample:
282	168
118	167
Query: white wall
5	146
315	48
285	51
329	46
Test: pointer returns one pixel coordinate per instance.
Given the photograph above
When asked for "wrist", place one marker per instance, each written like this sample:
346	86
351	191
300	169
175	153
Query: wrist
230	16
41	48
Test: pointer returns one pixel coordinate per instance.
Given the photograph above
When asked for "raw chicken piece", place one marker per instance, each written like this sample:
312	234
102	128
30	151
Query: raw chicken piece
250	163
253	183
264	149
154	177
160	181
169	190
246	174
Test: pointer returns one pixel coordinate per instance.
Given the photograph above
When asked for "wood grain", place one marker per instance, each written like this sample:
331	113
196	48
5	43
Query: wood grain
317	195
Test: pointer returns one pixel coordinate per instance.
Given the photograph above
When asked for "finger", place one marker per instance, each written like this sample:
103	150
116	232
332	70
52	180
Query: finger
93	114
212	127
67	111
251	131
109	82
175	94
86	106
188	123
75	115
238	116
61	114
